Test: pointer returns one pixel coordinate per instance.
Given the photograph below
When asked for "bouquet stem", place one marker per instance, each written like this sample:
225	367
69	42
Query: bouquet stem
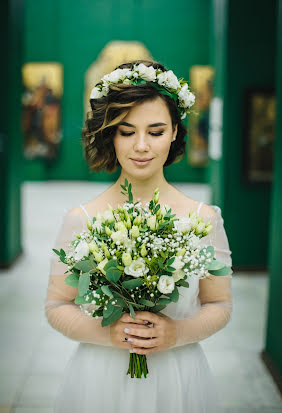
137	365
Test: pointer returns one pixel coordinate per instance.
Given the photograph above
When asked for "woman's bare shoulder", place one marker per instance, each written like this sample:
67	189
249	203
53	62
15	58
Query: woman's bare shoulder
184	204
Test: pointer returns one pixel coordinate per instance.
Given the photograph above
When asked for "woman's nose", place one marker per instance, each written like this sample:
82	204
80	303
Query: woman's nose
141	143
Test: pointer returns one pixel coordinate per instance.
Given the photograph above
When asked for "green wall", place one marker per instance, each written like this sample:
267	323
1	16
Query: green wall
73	34
11	13
243	54
274	329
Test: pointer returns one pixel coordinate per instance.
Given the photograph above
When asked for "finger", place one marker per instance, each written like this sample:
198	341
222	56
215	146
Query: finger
147	315
126	318
141	331
136	342
145	351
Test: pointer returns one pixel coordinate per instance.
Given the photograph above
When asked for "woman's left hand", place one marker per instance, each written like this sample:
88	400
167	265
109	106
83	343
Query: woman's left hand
160	336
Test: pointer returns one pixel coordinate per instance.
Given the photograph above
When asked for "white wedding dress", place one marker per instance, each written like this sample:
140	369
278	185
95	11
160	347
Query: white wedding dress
179	380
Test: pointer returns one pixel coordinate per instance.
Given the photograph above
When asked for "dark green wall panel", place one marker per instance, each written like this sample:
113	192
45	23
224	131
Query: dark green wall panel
274	330
74	33
244	56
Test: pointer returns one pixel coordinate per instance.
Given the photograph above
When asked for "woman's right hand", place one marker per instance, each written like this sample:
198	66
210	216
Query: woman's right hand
117	333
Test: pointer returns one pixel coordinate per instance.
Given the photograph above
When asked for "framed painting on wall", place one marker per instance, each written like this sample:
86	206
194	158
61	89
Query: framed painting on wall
201	83
258	135
41	109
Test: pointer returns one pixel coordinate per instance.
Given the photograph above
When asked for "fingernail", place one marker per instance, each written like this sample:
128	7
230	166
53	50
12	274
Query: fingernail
131	350
130	339
127	330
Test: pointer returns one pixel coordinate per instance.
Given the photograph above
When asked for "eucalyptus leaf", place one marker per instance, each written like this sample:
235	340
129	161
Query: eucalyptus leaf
164	301
115	315
215	265
146	302
131	309
110	264
113	274
157	308
83	266
183	283
174	296
109	310
106	290
131	284
72	280
222	271
83	284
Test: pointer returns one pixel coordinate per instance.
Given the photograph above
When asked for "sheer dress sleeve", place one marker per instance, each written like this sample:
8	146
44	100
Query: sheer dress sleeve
214	292
61	312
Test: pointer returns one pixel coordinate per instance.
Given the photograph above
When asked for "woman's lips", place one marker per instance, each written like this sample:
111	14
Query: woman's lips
141	163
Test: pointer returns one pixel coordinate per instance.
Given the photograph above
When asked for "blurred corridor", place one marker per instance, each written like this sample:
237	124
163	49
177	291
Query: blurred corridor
33	355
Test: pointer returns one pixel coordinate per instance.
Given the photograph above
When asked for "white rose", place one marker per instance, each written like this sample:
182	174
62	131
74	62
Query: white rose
166	284
137	268
169	80
177	263
114	76
178	275
81	250
96	93
146	73
183	225
186	98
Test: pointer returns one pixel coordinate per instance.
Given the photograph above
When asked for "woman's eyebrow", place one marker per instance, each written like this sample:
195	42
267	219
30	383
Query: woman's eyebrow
152	124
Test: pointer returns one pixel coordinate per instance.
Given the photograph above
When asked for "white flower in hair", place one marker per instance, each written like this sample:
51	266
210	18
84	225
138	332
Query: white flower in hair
96	93
169	80
146	72
186	98
166	79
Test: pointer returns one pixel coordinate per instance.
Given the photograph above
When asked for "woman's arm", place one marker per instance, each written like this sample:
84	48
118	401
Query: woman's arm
62	314
214	293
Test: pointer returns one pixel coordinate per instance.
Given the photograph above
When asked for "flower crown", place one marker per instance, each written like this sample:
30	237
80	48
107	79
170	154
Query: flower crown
166	82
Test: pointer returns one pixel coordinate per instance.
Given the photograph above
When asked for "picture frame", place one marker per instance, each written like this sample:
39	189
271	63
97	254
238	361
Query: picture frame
259	112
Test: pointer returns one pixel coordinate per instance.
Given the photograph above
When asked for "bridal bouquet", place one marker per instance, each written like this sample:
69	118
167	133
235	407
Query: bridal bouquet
135	258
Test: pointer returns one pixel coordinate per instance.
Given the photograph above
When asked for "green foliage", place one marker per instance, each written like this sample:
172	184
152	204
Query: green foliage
174	296
106	290
215	265
83	284
113	274
109	310
131	284
222	271
146	302
83	266
115	315
72	280
131	309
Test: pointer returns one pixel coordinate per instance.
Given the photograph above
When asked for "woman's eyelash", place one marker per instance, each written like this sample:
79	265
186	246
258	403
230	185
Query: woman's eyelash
130	133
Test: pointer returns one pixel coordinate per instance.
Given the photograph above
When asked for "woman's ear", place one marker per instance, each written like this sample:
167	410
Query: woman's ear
175	132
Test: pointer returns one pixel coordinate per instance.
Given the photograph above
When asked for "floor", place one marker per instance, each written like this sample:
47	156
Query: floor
33	355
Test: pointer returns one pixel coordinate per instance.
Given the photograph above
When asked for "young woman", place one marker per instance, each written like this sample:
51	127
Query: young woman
136	123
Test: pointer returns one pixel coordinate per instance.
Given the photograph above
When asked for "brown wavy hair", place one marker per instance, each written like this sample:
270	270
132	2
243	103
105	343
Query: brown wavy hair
108	111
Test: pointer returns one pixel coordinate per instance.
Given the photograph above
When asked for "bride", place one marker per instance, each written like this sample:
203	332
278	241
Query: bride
136	123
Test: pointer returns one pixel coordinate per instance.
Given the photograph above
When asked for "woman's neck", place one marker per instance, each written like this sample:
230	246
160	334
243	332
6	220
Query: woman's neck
142	189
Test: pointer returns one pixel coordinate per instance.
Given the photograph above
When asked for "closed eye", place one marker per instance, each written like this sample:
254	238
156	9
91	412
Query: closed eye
131	133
